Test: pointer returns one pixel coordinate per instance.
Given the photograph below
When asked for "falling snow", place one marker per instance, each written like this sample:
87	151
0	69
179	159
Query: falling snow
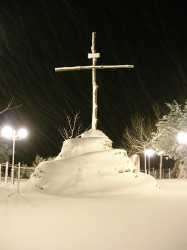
39	36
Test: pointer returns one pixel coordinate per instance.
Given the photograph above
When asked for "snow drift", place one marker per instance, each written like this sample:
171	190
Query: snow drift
89	166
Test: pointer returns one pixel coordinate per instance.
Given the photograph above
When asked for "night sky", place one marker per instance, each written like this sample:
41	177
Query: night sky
38	36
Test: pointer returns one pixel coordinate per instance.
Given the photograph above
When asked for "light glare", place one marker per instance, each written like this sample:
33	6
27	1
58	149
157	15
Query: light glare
149	152
182	137
161	153
22	133
7	132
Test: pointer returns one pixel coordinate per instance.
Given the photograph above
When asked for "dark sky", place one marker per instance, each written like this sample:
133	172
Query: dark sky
37	36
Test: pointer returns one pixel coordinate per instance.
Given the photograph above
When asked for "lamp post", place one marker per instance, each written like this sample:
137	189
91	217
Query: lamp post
161	159
14	136
149	152
145	166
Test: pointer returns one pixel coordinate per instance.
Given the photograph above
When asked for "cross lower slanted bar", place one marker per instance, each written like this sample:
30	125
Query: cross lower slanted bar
93	67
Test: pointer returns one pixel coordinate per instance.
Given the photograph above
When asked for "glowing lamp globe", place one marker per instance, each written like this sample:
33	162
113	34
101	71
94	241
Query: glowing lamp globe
7	132
161	153
149	152
22	133
182	137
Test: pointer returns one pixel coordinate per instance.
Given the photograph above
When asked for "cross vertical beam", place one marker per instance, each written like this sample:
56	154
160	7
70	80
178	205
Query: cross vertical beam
94	84
93	67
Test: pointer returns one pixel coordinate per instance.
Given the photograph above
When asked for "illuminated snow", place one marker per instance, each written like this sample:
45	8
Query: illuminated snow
136	220
89	166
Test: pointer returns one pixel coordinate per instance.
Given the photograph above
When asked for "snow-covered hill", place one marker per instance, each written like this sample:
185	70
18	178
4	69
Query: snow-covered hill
89	166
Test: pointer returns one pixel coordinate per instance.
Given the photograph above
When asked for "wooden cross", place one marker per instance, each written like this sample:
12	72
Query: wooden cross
94	57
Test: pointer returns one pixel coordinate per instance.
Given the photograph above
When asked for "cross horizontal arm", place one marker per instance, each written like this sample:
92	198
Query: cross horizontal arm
93	67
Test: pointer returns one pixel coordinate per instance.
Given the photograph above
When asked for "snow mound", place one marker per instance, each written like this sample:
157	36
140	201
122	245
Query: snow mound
89	166
94	133
90	141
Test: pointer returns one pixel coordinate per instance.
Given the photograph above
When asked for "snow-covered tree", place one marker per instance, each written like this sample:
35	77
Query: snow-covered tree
137	137
27	170
37	160
5	152
179	170
167	128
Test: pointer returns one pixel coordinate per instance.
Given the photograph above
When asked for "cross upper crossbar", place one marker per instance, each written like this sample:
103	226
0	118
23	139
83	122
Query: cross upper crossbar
93	67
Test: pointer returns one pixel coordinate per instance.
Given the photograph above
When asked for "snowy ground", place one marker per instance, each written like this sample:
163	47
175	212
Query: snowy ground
154	220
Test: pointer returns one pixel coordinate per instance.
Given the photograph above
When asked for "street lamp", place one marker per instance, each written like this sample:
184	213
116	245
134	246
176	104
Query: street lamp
149	152
11	134
161	159
182	137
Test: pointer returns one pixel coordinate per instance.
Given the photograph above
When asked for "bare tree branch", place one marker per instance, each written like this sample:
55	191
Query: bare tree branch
138	136
9	107
73	128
